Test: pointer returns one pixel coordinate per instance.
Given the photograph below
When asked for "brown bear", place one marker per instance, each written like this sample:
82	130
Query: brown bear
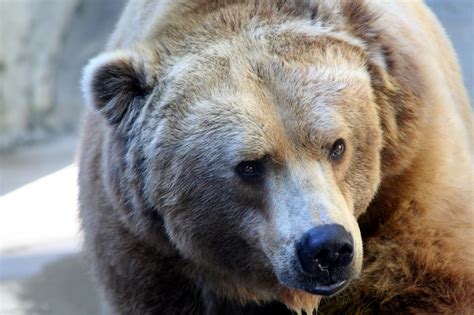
272	156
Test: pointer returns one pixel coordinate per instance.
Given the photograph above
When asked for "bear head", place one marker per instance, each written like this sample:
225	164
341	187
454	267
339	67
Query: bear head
251	154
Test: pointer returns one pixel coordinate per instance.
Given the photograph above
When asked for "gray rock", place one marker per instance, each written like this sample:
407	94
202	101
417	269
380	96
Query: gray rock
44	45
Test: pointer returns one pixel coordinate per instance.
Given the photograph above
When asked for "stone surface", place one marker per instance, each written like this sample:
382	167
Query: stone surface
60	287
25	164
43	47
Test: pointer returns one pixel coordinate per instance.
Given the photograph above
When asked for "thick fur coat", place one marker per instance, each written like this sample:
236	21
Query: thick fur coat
187	90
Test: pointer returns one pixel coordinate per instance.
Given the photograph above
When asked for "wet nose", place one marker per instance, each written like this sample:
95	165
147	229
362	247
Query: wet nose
325	247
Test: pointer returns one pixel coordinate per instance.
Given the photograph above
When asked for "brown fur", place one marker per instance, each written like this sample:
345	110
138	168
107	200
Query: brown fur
188	89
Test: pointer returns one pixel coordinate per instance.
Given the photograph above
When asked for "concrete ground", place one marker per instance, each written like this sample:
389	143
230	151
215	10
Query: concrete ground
41	269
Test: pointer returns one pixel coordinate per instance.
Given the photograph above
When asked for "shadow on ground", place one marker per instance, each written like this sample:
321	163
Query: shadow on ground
62	287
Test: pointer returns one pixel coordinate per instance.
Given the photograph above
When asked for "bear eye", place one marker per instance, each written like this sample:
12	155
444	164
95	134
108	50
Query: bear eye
250	170
338	149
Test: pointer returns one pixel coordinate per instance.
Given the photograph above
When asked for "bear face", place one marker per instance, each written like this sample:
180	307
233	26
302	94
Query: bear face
254	157
242	156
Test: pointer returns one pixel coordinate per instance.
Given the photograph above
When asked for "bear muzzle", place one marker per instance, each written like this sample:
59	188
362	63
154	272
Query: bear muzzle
325	254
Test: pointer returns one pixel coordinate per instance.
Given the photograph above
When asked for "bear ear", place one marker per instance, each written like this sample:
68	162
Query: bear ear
116	83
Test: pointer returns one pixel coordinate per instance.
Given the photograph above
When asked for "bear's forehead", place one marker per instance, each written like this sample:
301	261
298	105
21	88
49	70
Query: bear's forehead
262	96
230	65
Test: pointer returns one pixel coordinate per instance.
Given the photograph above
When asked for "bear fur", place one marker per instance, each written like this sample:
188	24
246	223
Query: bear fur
188	89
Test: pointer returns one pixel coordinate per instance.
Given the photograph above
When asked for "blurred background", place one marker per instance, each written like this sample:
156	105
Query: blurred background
43	46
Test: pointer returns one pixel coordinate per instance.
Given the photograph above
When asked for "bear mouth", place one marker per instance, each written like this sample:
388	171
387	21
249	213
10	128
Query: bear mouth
326	290
324	283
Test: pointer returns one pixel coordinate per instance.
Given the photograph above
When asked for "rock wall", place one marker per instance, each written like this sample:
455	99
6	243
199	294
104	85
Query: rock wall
43	46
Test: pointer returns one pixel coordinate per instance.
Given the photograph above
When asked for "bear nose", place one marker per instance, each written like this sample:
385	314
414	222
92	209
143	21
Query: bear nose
325	247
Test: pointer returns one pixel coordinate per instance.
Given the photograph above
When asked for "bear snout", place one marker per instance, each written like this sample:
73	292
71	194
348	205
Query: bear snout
324	253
